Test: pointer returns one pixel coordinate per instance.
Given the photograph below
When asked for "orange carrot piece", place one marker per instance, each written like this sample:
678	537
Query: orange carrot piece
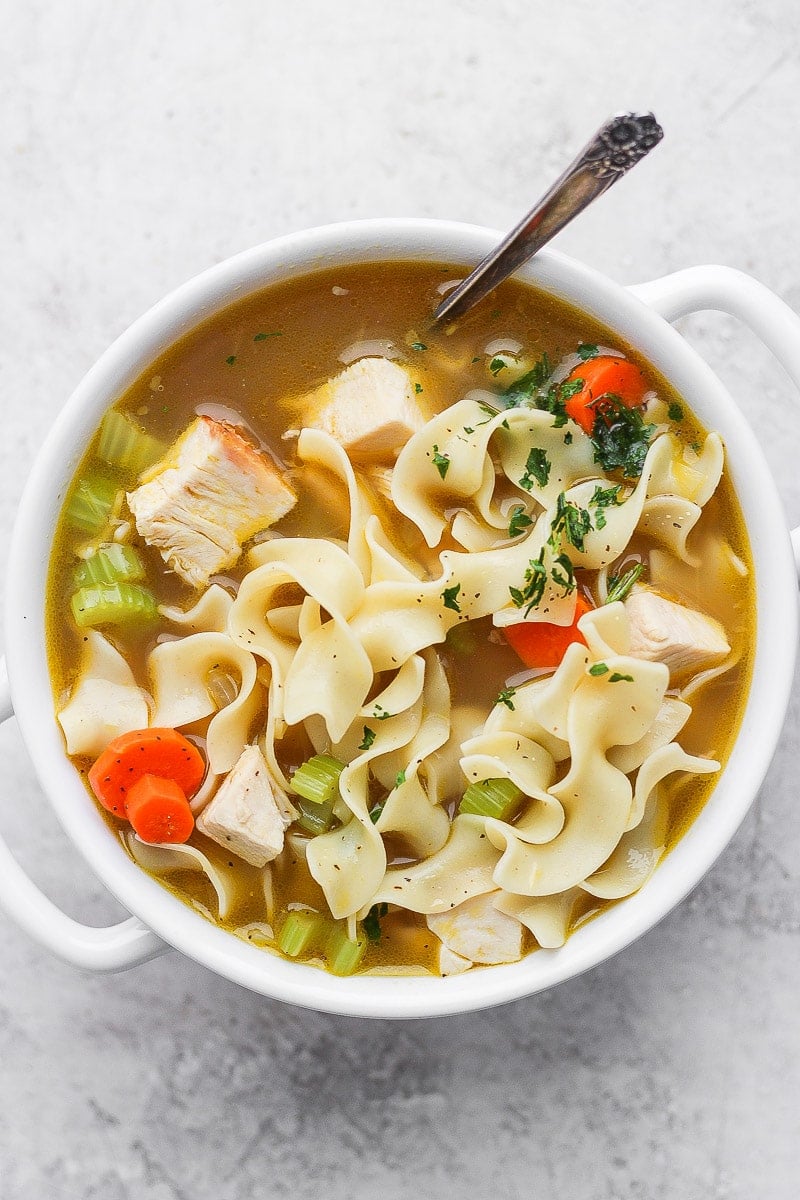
540	644
158	810
604	376
162	752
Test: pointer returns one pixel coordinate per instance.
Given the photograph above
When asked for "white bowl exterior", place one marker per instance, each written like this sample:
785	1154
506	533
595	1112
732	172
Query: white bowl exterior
175	922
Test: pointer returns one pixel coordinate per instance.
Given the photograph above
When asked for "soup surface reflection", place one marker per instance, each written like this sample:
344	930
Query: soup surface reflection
456	623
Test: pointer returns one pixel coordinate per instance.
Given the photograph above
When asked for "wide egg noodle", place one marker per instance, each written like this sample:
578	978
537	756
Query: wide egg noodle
549	918
208	615
463	868
165	859
104	702
319	447
595	795
179	672
511	756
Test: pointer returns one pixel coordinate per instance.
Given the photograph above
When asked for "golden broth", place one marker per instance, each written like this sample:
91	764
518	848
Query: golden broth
248	363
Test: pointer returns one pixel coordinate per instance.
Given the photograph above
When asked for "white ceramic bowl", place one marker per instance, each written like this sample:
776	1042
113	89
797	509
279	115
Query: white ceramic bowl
160	920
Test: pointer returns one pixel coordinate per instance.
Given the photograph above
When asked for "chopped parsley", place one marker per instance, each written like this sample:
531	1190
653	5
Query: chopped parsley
620	585
565	577
230	360
376	810
372	922
418	346
571	521
399	779
449	597
620	436
598	668
524	388
568	438
380	713
519	521
470	428
675	411
617	678
418	388
586	351
441	461
505	697
262	337
534	584
497	365
368	739
537	469
604	498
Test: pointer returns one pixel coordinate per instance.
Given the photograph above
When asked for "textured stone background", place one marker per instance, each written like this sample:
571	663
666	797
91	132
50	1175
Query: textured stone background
141	142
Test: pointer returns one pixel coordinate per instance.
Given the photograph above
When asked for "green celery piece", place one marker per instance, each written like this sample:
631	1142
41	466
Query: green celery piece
123	444
498	798
91	502
318	779
301	932
314	818
113	604
110	564
344	956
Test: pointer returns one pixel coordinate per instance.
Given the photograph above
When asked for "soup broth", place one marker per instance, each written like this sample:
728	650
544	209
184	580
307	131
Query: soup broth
253	367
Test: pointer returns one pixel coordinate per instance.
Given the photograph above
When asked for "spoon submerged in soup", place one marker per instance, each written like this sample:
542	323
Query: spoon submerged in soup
617	145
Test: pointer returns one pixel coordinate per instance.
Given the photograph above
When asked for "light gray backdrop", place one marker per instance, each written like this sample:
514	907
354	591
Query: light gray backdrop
141	142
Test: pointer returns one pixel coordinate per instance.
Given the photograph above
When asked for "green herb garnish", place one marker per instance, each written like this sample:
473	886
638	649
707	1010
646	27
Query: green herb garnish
519	521
399	779
376	810
418	346
441	461
505	697
598	668
586	351
497	365
619	586
675	411
368	739
604	498
230	360
617	678
262	337
620	436
571	521
372	922
537	468
449	597
565	577
527	385
380	713
534	583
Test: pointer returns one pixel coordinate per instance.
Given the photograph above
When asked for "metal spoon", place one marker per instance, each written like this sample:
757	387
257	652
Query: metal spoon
614	149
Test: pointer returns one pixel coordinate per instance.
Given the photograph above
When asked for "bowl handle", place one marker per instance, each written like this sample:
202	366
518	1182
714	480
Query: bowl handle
727	290
110	949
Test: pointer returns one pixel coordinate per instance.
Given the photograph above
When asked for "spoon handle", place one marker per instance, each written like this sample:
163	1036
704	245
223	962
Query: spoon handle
615	148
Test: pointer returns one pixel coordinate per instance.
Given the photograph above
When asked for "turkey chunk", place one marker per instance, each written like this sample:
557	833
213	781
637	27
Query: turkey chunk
249	813
477	931
211	493
369	408
685	640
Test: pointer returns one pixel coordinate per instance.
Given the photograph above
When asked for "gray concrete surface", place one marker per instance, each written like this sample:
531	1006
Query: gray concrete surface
140	142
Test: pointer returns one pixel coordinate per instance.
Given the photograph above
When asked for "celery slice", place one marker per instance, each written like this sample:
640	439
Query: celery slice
110	564
301	932
344	956
318	779
91	503
314	818
123	444
113	604
498	798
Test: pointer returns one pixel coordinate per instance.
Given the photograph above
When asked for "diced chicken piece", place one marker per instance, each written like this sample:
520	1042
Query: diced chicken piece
369	408
475	930
212	492
682	638
249	814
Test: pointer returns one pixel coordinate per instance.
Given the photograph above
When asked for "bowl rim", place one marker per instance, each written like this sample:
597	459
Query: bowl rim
399	996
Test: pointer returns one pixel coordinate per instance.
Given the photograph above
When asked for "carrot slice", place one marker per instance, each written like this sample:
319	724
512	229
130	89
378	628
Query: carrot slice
162	752
540	644
601	377
158	810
